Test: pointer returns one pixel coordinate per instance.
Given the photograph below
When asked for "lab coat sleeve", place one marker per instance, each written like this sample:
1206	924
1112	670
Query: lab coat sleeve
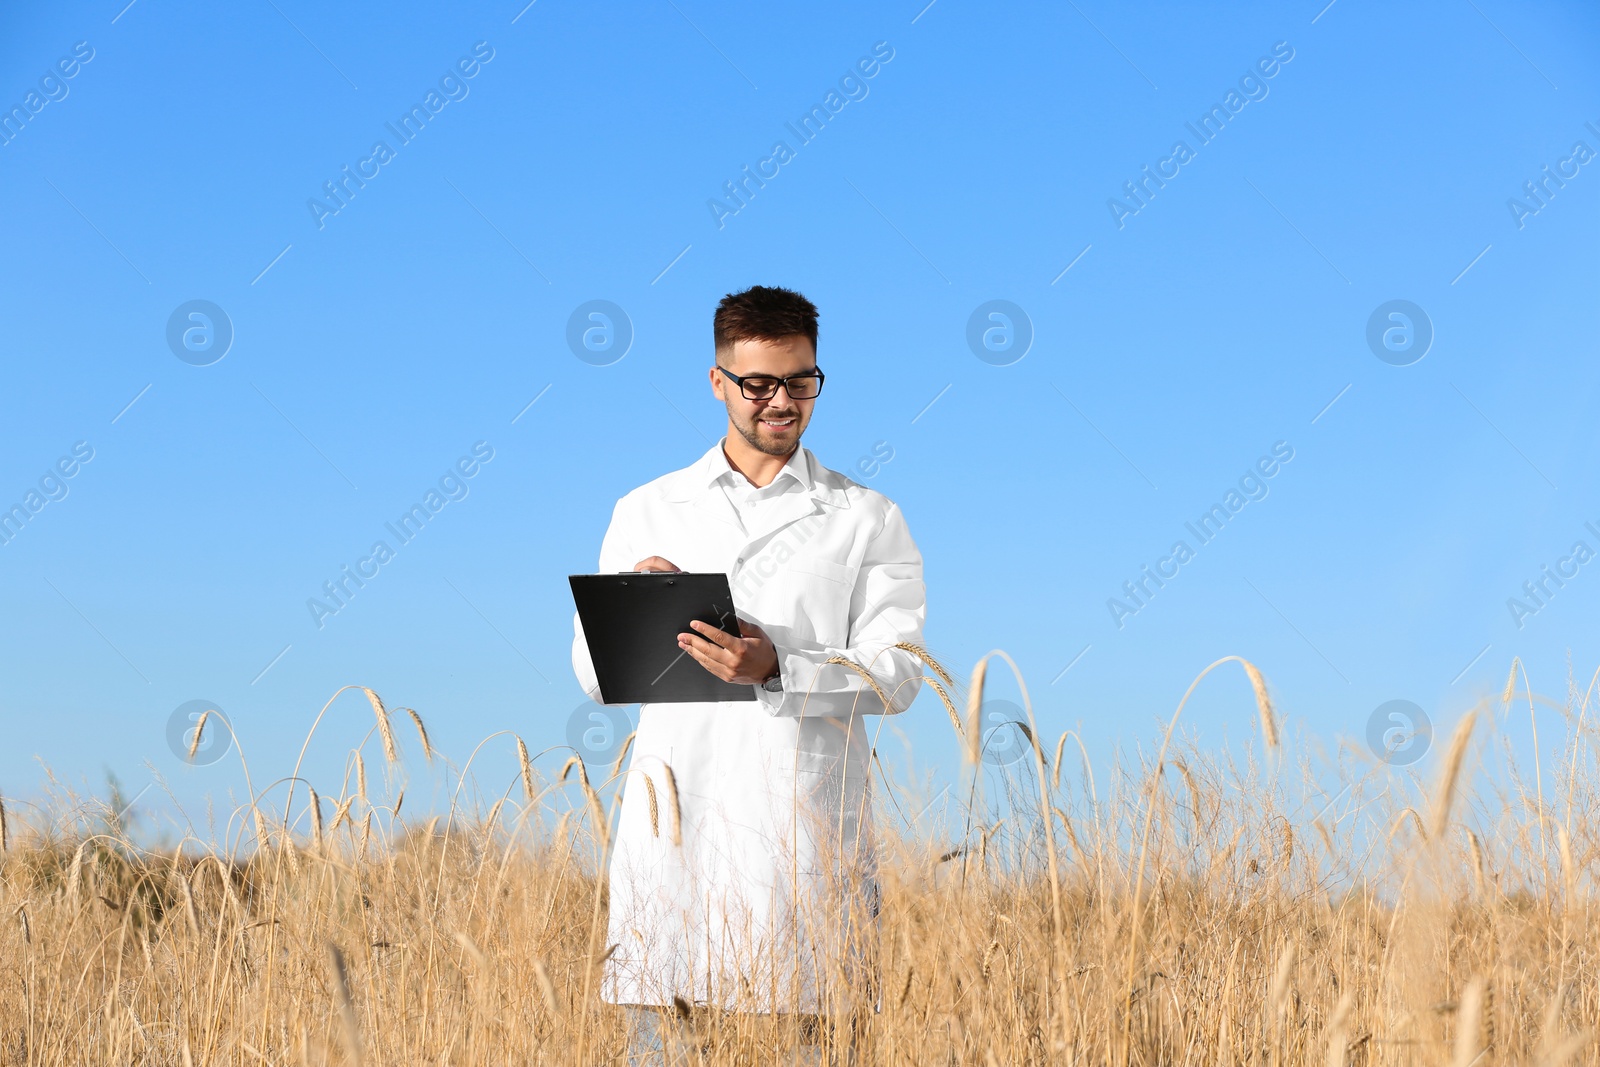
615	555
888	606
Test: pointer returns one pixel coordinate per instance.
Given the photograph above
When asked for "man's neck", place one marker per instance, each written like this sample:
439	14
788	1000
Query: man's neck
757	467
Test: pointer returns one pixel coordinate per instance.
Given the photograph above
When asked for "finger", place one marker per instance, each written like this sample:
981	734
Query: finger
708	663
713	633
703	649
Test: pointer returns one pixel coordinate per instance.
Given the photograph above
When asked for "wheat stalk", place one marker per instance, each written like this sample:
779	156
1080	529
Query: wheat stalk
340	813
949	705
385	731
1569	869
361	779
1269	723
5	830
601	823
422	732
1511	681
1280	980
527	769
672	803
263	839
472	950
1338	1030
1469	1025
1422	831
75	874
316	819
1072	836
1448	780
199	728
188	902
1188	780
347	1009
547	988
974	726
655	811
622	753
922	654
865	674
1479	873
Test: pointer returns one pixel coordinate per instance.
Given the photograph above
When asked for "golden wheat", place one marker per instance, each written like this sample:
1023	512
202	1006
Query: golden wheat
422	733
385	730
526	766
406	943
199	729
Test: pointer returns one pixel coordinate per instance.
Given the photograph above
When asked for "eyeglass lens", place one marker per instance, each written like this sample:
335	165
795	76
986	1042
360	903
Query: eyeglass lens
801	387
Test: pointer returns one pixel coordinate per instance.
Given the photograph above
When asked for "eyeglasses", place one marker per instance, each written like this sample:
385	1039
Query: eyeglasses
764	387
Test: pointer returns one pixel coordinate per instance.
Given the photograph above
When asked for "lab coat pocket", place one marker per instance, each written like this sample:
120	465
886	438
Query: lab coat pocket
822	591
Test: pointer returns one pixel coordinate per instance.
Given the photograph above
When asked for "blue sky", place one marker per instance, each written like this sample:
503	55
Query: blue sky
984	159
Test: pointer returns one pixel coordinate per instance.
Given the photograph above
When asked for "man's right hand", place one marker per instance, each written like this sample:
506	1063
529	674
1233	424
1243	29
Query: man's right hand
656	563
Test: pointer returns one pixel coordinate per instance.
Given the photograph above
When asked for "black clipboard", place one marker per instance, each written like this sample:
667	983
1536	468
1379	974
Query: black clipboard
631	621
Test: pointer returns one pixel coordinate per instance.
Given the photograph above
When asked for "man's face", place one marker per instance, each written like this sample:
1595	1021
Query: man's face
773	425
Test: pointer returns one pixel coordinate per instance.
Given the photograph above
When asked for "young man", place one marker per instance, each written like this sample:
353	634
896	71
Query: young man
769	904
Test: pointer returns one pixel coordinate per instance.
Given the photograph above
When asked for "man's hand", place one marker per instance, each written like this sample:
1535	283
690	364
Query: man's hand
656	563
747	660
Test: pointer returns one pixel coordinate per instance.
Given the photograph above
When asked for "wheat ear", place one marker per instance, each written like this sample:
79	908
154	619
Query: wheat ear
870	680
949	705
422	732
601	823
922	654
527	769
672	804
385	731
316	819
975	712
200	727
622	753
1269	722
655	810
1452	772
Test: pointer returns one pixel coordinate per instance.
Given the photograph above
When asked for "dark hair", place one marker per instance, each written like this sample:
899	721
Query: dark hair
764	313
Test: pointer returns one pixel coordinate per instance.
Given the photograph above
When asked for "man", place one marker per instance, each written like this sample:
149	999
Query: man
769	904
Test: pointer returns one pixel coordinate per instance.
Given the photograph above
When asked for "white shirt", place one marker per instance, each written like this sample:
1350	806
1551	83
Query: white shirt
793	477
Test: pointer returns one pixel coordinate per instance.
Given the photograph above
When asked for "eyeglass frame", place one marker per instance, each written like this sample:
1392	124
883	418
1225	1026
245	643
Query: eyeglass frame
739	380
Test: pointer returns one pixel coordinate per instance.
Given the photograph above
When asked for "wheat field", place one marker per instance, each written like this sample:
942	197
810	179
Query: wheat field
1286	905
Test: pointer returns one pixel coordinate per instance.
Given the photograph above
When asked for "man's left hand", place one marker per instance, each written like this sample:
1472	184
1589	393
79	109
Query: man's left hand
747	660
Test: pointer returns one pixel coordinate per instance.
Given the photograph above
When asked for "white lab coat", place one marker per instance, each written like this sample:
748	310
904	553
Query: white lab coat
770	903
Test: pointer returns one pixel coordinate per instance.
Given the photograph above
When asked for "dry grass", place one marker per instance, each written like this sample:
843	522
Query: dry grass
1232	914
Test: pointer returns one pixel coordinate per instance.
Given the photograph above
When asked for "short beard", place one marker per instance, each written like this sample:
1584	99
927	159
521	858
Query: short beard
771	448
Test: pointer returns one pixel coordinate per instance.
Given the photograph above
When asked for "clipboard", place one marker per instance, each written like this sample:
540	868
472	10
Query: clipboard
631	621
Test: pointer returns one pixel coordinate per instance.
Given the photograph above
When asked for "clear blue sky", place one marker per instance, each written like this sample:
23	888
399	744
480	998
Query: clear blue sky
374	346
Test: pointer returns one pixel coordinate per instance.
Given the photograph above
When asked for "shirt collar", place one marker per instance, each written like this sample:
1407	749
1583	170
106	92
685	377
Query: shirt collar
718	468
